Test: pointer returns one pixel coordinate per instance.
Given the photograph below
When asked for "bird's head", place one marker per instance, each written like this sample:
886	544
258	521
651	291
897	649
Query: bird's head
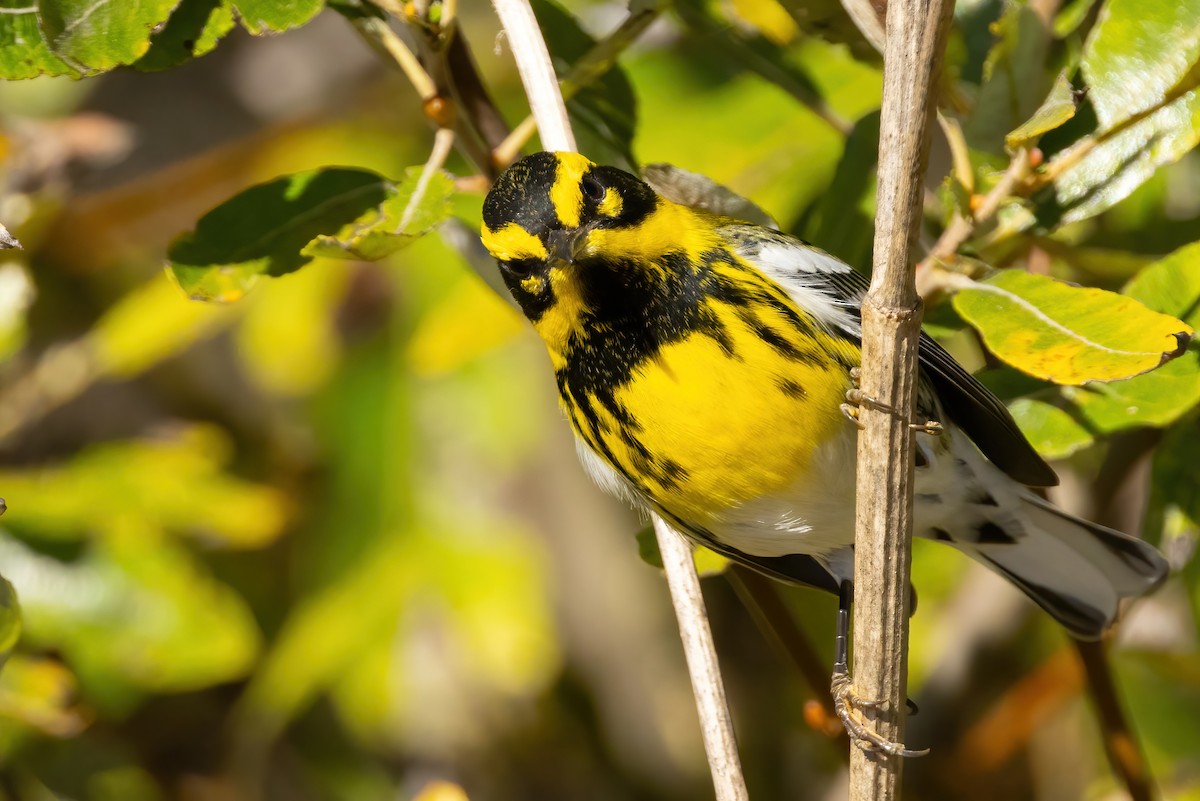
570	235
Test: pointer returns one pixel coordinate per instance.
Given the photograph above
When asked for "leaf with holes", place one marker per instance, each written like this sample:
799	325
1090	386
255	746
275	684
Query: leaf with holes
98	35
267	16
265	229
24	52
412	208
194	29
1069	334
1159	398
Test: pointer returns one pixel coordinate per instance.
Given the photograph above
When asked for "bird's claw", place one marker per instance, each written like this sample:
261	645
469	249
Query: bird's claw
856	398
848	707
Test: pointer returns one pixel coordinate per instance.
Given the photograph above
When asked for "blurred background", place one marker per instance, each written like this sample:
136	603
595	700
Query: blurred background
332	542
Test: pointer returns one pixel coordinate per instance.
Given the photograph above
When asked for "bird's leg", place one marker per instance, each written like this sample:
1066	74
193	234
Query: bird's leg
846	704
856	398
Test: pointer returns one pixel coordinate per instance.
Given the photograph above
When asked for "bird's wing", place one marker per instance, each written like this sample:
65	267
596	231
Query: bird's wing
832	292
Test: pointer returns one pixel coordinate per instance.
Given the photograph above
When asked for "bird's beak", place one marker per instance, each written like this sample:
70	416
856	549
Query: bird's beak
565	244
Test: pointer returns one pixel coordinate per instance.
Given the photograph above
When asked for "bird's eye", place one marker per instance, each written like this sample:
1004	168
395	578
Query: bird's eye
593	190
520	268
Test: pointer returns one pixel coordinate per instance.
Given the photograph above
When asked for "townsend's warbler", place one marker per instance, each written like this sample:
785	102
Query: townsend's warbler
703	363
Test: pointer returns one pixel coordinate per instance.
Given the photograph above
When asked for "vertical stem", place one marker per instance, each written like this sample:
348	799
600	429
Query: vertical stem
1120	741
537	73
554	127
715	724
891	327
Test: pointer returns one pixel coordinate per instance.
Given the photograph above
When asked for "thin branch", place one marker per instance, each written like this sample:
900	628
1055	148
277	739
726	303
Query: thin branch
891	327
380	35
761	598
960	230
715	724
537	73
862	13
443	143
1120	742
594	64
546	102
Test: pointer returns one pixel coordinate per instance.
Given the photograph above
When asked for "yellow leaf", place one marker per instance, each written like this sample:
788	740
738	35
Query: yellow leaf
468	322
151	323
1069	334
287	340
441	791
770	18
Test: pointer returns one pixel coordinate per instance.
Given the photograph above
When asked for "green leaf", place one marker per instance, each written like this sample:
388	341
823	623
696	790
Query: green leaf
1068	334
194	29
1014	77
1103	263
1159	398
265	16
101	34
1139	55
24	52
1141	67
171	486
842	219
10	620
412	209
1054	431
155	620
1111	170
1058	107
1174	506
1071	16
264	229
606	110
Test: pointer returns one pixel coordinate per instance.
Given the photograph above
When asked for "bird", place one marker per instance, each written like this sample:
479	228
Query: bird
704	365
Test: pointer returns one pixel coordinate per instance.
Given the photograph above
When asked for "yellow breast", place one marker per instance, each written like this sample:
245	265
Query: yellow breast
727	429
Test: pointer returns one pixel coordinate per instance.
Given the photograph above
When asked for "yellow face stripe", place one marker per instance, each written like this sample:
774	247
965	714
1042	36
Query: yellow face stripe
670	228
612	204
566	194
565	316
512	242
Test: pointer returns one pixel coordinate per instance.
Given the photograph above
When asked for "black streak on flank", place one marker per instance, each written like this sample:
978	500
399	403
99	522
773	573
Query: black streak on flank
791	388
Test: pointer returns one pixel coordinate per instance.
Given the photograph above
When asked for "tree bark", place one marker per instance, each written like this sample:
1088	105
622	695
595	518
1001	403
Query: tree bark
891	326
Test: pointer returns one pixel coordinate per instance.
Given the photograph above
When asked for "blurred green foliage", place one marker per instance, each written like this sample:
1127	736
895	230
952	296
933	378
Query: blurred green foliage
329	541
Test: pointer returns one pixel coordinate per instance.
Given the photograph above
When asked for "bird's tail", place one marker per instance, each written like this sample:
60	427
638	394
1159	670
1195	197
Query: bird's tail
1075	570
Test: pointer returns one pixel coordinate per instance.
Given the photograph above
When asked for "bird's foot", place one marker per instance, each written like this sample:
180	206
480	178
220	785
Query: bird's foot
849	708
856	399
